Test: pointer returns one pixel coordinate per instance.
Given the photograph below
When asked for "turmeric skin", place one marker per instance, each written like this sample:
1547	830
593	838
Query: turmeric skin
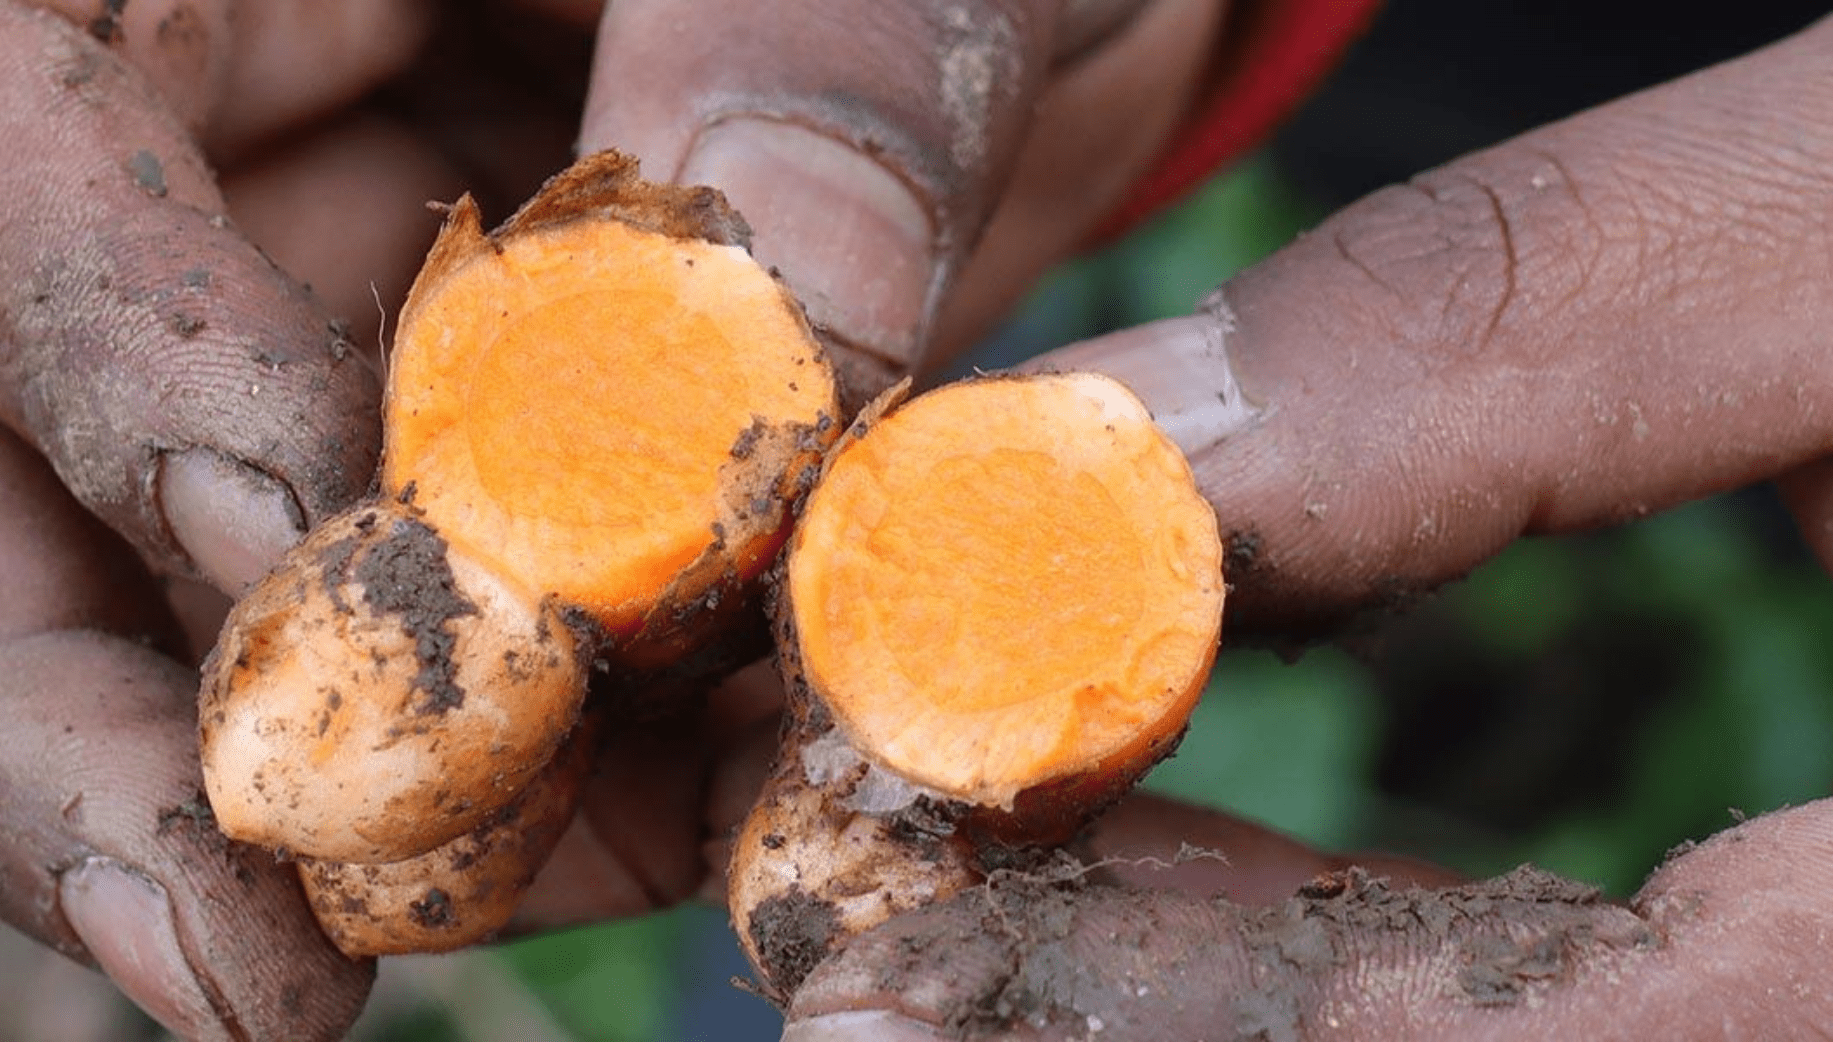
1006	583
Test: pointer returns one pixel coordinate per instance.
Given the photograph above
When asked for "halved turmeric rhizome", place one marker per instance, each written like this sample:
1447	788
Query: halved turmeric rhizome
999	603
599	420
1000	606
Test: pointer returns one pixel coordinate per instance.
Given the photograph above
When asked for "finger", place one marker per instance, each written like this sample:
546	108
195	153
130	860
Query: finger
56	558
236	71
1722	943
1151	841
1808	492
1603	318
867	144
497	94
580	13
189	393
607	865
658	813
1102	121
108	852
344	210
635	845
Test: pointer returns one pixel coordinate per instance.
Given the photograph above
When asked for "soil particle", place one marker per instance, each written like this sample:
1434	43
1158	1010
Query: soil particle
191	823
148	173
926	825
433	911
1512	936
335	564
1240	553
792	933
405	574
1499	969
106	26
1505	941
818	716
193	813
81	71
1398	594
746	442
978	63
1039	917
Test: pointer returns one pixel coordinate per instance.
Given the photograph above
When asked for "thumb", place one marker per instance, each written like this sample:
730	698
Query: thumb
870	145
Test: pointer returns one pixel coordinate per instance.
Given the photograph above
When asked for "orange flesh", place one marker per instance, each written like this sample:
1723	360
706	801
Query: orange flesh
564	402
1008	582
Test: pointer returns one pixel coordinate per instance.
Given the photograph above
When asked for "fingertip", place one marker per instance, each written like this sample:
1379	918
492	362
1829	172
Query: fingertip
1179	367
866	143
874	1025
232	520
110	849
125	921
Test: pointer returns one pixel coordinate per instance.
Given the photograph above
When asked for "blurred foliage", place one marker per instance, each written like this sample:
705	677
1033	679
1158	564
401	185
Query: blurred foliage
1293	745
613	983
1583	703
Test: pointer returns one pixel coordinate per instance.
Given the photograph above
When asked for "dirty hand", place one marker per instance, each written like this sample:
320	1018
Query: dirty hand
1603	318
158	373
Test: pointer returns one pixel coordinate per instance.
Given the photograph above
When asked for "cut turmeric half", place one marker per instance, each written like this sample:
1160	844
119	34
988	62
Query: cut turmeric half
1008	583
575	401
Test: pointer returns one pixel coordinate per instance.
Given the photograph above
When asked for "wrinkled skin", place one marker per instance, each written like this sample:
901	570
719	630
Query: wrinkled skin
1603	318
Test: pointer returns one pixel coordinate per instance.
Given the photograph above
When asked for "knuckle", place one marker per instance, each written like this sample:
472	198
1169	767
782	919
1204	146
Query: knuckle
1462	253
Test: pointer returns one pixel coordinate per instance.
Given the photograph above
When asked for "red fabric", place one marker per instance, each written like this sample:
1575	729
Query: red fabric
1276	53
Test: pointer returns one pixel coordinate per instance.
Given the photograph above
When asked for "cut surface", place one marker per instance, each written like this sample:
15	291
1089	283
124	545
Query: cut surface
1008	582
570	404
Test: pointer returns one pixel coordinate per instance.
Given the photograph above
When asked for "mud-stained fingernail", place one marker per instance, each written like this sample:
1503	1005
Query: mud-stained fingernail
861	1026
1179	367
855	244
233	520
125	920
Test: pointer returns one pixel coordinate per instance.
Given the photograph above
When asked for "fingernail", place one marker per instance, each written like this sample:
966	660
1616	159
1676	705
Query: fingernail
1179	367
233	520
125	920
854	243
861	1026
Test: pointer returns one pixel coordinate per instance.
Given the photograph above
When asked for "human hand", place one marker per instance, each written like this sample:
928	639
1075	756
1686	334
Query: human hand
206	407
1601	319
159	372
